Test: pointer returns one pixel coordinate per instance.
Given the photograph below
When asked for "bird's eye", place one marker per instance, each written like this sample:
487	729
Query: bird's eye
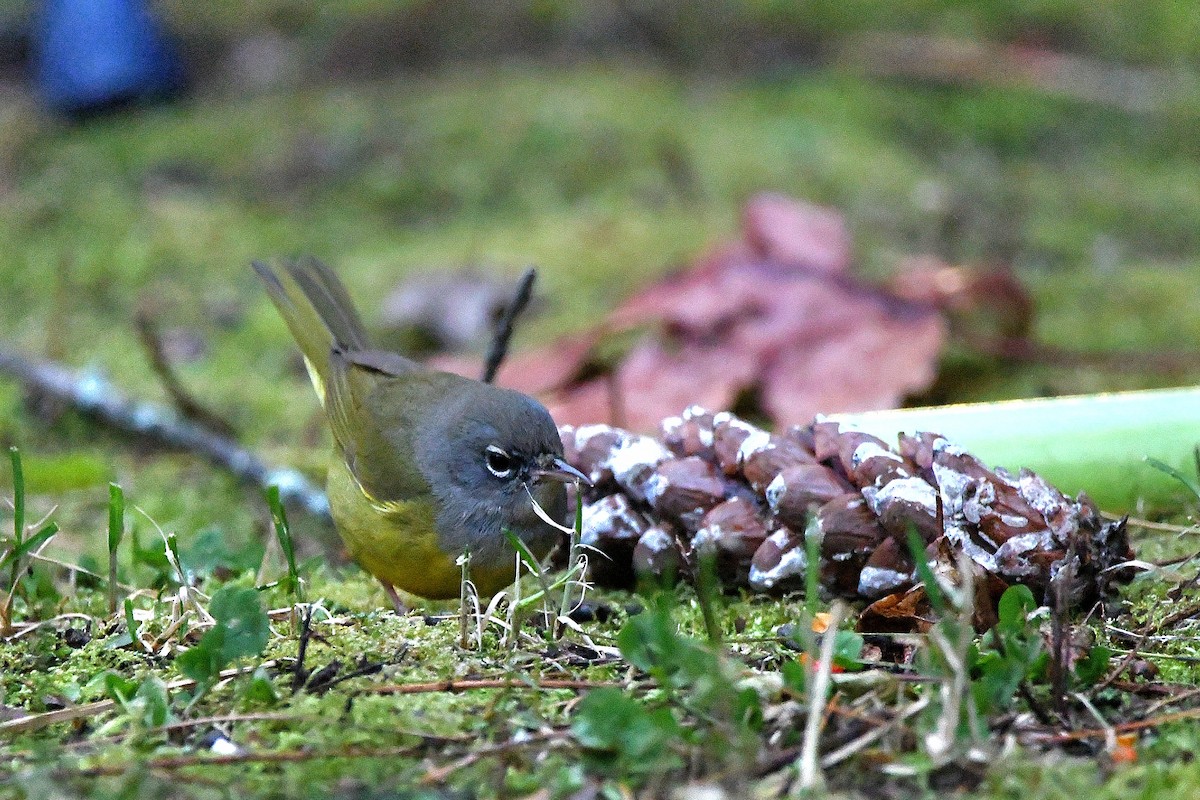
499	463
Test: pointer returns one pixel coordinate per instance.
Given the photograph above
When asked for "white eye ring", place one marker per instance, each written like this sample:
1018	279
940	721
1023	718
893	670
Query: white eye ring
498	462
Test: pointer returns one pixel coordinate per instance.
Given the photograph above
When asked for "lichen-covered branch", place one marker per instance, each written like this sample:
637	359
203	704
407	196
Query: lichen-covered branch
97	398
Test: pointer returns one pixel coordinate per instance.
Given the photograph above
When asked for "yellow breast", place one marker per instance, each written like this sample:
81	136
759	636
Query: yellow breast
397	542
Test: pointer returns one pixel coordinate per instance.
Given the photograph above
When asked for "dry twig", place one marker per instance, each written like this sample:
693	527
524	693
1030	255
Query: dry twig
454	686
188	405
504	329
95	397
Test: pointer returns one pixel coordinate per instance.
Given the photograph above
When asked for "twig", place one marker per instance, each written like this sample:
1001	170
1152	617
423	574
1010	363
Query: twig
504	328
299	673
1110	733
453	686
1187	612
616	398
1121	727
1125	662
24	628
271	757
261	716
1179	698
97	398
939	742
185	724
438	774
870	737
33	722
962	62
220	719
1060	630
364	668
188	405
1025	350
1158	527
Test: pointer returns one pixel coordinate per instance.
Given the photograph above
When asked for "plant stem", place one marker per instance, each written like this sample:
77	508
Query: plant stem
564	607
116	530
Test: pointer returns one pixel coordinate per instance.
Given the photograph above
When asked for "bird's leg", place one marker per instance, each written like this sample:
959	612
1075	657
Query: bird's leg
398	604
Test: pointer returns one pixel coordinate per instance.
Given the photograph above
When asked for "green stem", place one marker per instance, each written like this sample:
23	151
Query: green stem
564	607
18	476
116	530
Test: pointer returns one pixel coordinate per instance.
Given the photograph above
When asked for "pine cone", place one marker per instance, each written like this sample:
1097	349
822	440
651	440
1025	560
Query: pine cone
714	483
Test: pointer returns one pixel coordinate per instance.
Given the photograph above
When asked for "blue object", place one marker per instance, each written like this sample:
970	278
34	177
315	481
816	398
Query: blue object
93	55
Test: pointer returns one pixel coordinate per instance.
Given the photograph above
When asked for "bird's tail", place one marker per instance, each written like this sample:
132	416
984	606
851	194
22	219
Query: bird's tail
318	311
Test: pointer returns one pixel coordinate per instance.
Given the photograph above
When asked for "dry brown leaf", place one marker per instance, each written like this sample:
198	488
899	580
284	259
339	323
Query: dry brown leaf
771	322
902	612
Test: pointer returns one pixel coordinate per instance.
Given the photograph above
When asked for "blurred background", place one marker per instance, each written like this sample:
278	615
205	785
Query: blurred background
1055	142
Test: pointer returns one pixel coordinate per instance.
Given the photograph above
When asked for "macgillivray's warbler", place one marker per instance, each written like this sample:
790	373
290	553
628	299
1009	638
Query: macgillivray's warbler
426	465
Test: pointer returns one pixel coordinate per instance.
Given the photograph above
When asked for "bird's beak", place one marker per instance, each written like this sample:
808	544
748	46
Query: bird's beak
555	469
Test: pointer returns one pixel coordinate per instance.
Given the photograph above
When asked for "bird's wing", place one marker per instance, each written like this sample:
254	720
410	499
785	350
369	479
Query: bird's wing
374	413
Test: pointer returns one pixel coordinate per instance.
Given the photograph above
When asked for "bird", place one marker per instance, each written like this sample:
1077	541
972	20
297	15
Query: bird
426	466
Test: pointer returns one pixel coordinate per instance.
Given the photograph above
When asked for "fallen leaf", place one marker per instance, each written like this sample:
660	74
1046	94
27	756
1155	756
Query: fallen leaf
781	229
902	612
772	323
1125	751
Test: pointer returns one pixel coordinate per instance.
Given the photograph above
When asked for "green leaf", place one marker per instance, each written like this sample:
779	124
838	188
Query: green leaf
131	626
527	557
602	718
1178	475
202	662
30	545
55	474
1014	608
242	629
117	642
997	687
261	689
116	530
648	639
239	613
1090	669
617	731
812	566
708	589
172	553
153	556
209	550
115	687
651	642
933	590
847	650
154	702
795	678
116	517
283	532
748	709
